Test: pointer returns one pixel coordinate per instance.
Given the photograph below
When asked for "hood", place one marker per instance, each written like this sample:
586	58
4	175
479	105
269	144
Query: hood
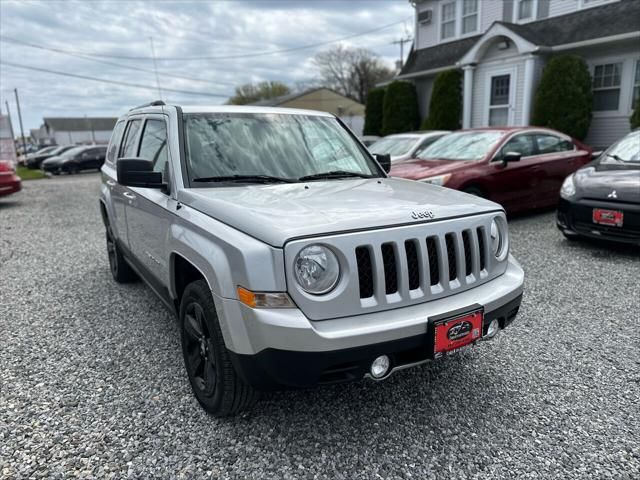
277	213
53	160
419	169
599	180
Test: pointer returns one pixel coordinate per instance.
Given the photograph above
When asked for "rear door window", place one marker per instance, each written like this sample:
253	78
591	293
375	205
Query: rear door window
130	141
552	144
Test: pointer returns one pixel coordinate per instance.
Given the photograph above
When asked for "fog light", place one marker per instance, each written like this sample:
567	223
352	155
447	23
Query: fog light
380	366
494	327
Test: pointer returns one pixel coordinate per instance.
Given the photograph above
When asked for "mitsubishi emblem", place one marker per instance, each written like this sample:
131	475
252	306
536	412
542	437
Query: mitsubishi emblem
612	195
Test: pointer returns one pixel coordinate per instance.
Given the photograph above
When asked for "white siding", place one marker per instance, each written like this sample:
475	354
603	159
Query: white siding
427	35
64	138
489	12
561	7
606	130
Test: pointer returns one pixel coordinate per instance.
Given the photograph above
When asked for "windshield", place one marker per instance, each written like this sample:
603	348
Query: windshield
59	150
72	152
626	150
465	146
281	146
44	150
395	146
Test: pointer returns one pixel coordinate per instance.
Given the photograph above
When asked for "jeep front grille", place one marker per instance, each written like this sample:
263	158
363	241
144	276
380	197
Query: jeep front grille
461	255
403	265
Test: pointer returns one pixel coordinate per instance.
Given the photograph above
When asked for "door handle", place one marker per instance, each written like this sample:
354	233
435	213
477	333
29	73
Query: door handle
111	183
129	195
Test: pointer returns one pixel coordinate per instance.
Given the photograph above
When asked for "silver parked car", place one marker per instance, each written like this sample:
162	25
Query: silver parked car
289	257
405	146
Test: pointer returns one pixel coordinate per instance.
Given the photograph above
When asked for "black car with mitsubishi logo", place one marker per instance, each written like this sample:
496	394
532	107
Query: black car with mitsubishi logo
602	199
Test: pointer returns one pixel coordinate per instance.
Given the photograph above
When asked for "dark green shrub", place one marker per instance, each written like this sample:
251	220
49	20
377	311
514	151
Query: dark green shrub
563	100
445	107
373	112
400	108
635	116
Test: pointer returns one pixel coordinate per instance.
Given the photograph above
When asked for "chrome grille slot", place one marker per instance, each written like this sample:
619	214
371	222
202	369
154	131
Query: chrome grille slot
480	233
466	242
405	265
413	266
365	272
390	268
434	270
451	256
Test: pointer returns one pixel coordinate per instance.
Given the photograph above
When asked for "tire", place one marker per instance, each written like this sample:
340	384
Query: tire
214	381
474	191
120	269
73	169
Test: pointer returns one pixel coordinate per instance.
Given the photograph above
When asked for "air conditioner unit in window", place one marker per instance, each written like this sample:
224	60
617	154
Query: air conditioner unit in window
424	17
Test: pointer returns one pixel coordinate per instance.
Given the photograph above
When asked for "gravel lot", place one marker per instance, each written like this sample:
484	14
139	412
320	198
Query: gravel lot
92	382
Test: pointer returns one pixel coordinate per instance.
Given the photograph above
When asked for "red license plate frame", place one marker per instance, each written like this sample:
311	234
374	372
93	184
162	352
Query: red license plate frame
608	217
455	331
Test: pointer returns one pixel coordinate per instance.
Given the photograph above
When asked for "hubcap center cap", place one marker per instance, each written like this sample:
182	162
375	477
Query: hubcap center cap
203	347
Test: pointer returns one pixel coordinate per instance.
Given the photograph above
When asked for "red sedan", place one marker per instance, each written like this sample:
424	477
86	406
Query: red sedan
9	181
520	168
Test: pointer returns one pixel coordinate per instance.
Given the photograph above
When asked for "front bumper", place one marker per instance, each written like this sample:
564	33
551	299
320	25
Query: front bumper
273	348
10	185
575	218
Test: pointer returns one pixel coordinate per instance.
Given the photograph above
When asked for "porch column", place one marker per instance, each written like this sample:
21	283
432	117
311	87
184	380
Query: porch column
527	100
467	95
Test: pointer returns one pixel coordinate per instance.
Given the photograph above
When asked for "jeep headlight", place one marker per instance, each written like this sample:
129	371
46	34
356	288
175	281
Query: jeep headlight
437	180
568	188
316	269
499	237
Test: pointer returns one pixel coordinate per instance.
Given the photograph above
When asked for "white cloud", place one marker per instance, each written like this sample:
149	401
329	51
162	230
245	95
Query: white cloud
180	30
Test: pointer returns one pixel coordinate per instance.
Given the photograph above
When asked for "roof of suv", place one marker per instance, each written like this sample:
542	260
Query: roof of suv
235	109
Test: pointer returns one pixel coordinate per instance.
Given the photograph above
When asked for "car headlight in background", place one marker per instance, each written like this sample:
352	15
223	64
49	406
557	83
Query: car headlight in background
437	180
568	188
316	269
499	237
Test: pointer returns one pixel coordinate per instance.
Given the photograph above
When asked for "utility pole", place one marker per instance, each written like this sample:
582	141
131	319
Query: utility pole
155	67
401	42
24	143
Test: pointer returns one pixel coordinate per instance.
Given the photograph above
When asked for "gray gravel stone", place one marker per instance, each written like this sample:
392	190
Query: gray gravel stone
92	383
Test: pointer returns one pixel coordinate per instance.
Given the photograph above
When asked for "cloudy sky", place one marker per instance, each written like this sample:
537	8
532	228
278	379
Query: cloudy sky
211	45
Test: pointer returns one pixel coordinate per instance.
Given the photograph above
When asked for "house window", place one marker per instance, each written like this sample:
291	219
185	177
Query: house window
606	87
525	9
636	86
448	24
499	101
469	16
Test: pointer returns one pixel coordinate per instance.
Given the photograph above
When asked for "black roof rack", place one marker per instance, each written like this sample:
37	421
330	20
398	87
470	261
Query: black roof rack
155	103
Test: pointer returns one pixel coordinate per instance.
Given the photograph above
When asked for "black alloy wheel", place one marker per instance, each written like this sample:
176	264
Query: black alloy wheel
199	350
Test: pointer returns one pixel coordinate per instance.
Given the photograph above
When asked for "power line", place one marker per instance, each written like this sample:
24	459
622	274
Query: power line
243	55
112	82
4	38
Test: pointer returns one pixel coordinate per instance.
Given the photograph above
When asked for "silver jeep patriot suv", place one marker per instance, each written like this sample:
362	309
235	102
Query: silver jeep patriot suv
289	256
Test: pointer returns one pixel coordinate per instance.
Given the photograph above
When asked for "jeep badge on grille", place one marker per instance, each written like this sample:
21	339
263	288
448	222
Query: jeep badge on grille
424	214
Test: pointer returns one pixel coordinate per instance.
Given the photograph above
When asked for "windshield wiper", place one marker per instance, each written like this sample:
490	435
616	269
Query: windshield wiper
334	174
245	179
616	157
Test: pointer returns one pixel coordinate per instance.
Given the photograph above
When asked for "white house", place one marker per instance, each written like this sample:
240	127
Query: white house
503	45
62	131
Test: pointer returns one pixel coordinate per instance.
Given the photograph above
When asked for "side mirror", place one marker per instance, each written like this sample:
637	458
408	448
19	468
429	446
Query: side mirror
136	172
511	157
384	159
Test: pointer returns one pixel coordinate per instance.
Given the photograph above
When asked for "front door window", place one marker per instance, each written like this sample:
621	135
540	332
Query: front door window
499	101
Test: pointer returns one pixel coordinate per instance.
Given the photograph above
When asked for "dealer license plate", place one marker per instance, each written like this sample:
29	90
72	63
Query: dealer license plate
456	333
611	218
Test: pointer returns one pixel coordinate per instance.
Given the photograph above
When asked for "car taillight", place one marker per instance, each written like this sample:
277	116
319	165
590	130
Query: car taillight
6	167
